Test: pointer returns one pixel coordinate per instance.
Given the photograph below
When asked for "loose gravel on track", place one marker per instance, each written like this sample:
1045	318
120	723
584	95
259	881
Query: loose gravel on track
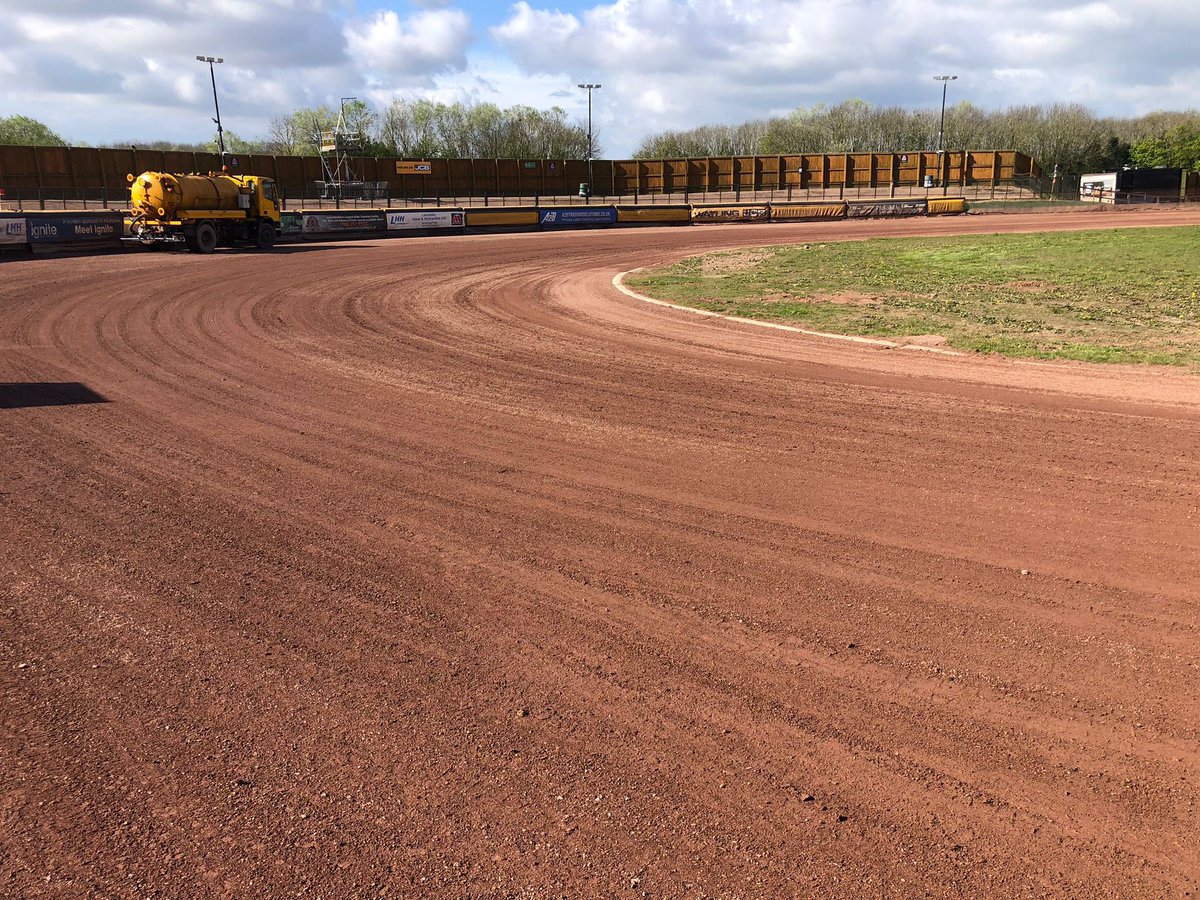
439	567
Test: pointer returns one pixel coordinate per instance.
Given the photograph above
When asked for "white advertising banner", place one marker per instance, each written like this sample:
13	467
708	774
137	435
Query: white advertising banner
12	231
408	220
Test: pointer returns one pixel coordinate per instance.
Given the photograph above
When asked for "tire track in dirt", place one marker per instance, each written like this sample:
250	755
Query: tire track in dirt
439	566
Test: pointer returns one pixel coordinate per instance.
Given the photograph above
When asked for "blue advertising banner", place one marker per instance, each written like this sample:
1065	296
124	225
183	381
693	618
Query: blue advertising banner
576	216
54	228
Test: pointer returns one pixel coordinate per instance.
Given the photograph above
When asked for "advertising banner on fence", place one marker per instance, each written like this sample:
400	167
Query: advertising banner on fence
946	206
501	218
574	217
67	228
344	220
885	209
654	214
12	230
809	211
417	219
291	222
730	213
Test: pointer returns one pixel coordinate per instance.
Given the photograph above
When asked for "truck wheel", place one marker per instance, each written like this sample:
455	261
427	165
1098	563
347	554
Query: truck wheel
265	239
206	238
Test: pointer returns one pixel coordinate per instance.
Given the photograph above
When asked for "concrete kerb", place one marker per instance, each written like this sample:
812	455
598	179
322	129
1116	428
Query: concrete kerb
619	283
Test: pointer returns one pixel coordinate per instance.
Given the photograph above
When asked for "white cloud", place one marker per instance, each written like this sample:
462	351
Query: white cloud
526	23
1094	16
428	42
102	70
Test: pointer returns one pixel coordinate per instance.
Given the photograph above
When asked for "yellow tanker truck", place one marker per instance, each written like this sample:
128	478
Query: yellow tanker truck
202	211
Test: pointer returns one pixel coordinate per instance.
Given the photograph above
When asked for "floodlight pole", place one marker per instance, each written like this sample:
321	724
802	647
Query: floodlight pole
945	80
212	74
589	88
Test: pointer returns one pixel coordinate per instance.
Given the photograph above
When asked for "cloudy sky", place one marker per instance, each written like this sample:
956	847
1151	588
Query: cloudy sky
99	70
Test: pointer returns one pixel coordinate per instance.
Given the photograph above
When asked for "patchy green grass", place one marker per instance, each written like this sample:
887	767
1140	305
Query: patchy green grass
1121	295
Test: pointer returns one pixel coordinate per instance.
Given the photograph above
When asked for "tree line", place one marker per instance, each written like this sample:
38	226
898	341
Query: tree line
407	128
1067	137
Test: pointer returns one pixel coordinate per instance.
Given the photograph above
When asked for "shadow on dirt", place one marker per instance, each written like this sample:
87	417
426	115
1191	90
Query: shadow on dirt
18	395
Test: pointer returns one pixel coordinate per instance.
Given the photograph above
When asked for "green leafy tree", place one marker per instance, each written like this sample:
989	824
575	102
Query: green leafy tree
234	143
1068	137
24	131
1178	146
412	129
159	145
423	128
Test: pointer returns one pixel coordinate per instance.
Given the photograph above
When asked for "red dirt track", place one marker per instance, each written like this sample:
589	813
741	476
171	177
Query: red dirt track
439	567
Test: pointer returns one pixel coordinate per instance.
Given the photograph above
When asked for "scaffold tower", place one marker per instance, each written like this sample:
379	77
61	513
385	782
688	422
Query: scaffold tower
339	148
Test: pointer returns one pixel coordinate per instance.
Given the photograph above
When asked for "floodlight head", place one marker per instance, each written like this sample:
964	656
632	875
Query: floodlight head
945	78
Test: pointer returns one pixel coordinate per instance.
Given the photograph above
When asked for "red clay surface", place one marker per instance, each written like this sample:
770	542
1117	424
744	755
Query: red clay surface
440	568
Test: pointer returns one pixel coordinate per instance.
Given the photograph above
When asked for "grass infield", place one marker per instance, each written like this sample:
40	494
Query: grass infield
1124	295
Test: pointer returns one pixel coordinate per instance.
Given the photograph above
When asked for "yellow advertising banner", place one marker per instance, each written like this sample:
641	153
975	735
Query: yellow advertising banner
485	217
413	167
654	213
809	211
730	213
947	206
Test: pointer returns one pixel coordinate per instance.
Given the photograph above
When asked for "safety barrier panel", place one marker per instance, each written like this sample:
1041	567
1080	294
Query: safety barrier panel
730	213
73	228
947	206
501	218
885	209
19	230
632	215
798	211
577	217
344	221
12	230
426	219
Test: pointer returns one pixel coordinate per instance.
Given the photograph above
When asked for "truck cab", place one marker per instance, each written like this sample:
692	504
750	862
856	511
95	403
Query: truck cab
264	198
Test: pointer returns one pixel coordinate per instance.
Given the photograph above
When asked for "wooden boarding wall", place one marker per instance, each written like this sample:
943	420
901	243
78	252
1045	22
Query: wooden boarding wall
31	169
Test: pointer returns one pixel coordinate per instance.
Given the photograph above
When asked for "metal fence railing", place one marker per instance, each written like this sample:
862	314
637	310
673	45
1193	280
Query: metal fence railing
377	195
1130	198
317	196
49	198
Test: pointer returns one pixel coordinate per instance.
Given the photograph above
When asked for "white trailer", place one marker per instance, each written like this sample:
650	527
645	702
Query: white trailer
1098	188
